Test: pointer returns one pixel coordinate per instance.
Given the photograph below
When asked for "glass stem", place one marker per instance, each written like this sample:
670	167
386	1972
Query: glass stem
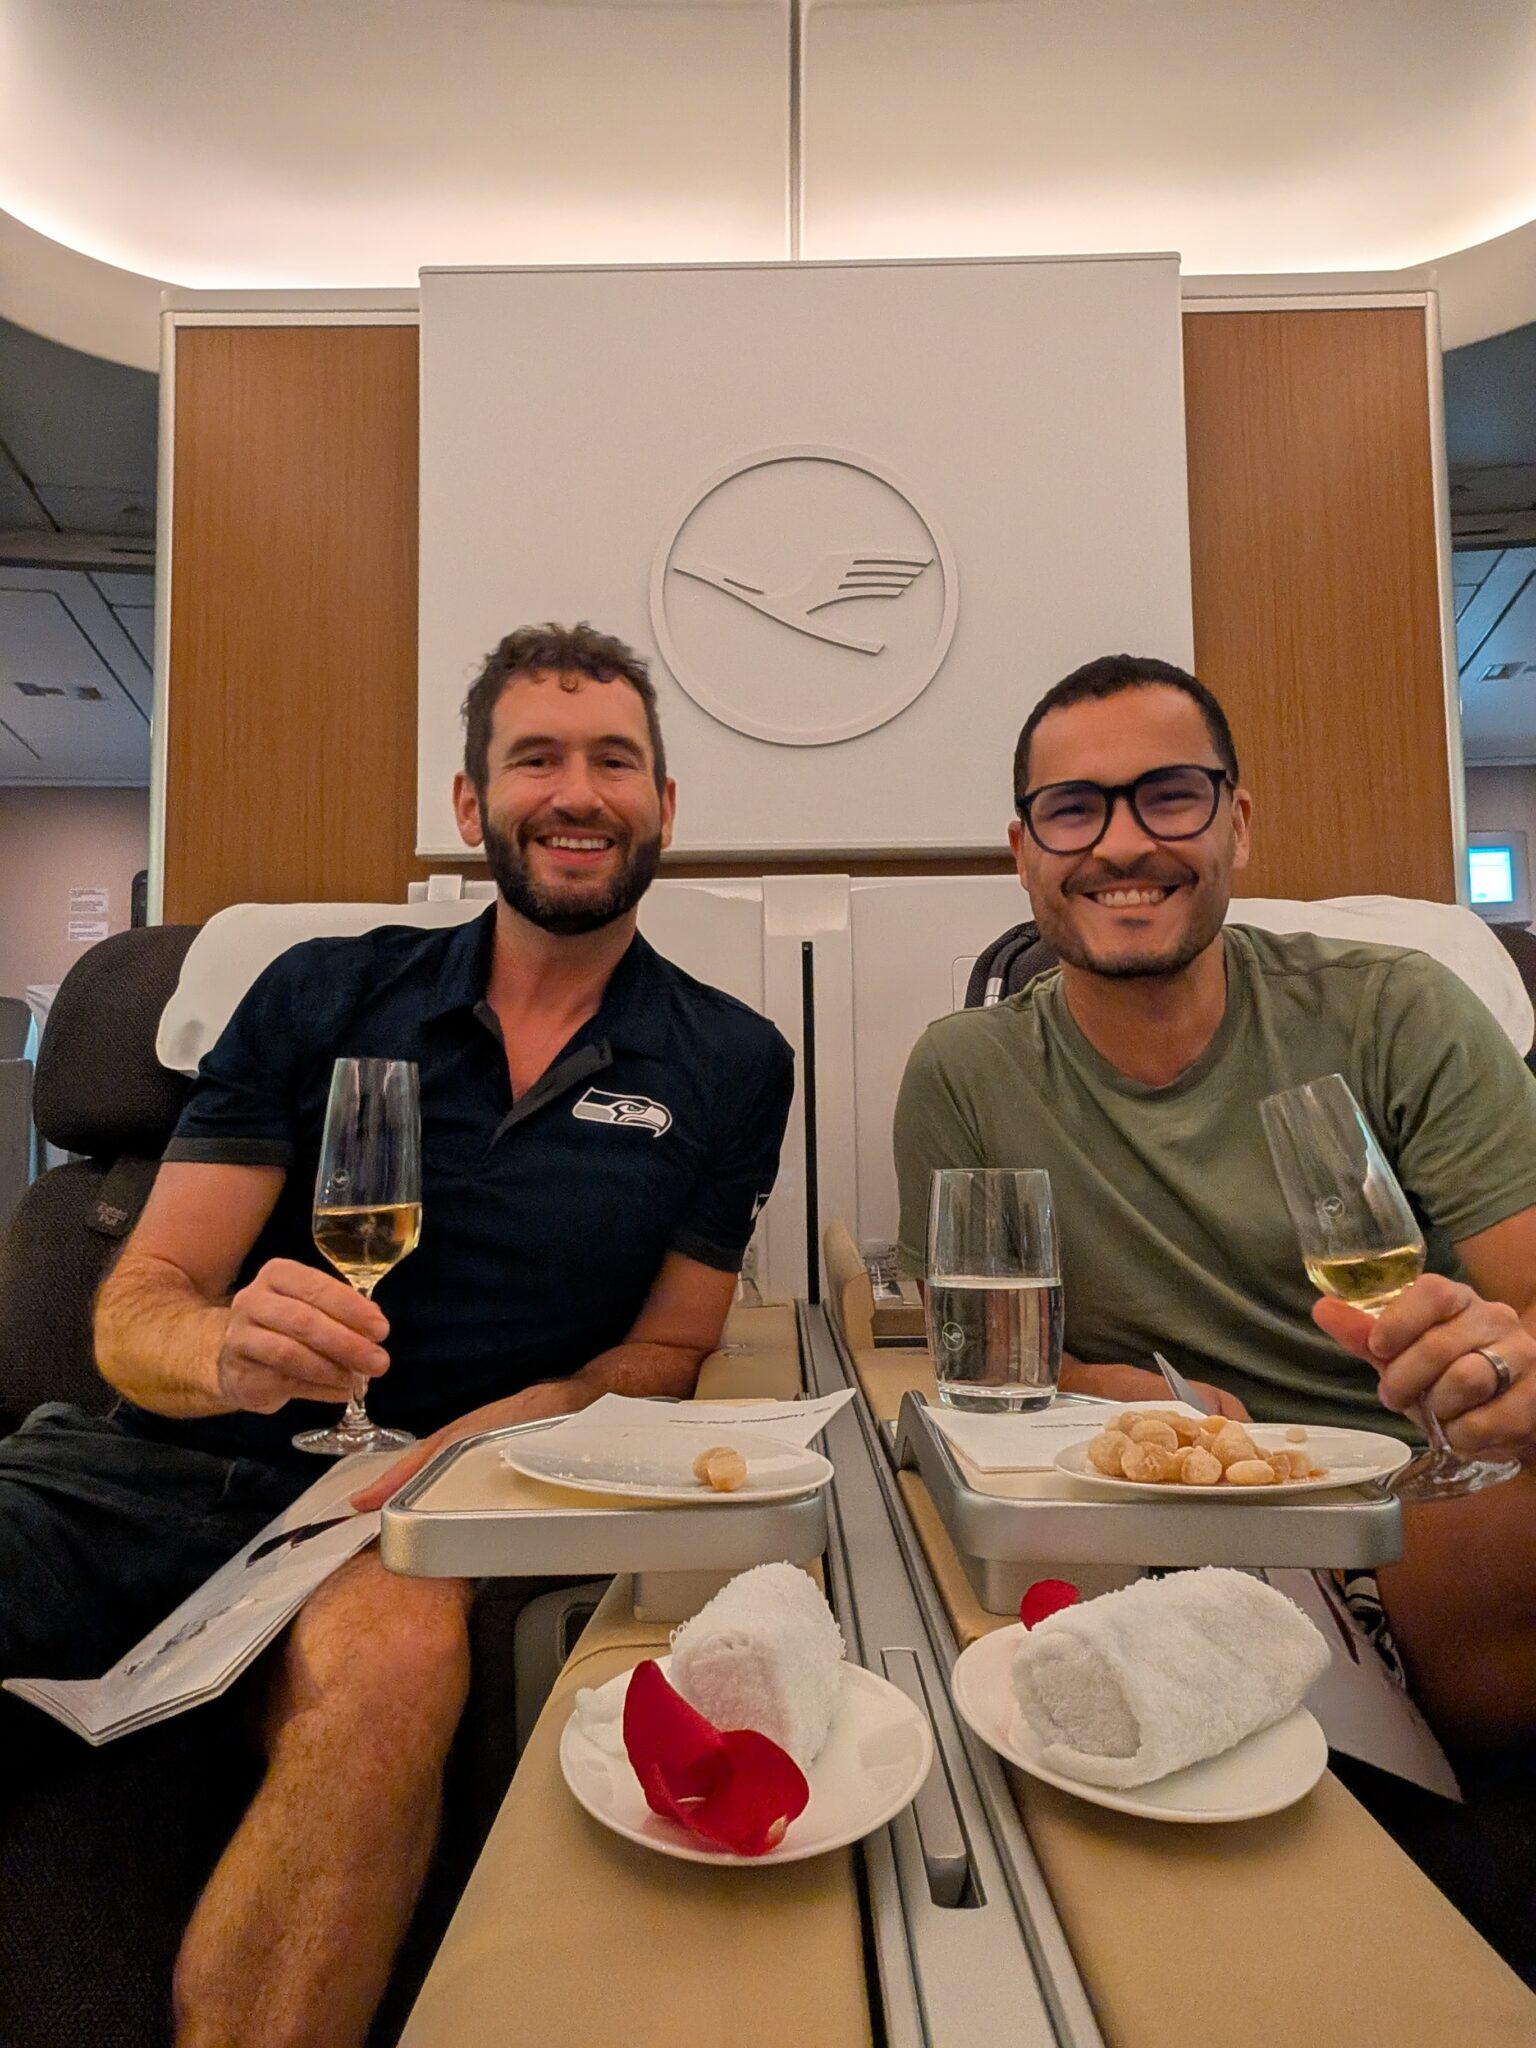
1427	1419
355	1415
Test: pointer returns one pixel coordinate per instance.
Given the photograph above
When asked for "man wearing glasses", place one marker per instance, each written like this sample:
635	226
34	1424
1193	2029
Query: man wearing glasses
1133	1076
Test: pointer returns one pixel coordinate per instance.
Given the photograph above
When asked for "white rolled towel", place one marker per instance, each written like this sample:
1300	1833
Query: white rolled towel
765	1653
1165	1672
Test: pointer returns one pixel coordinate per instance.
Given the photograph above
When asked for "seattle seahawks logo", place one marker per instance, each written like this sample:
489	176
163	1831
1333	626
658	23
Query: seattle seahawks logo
637	1112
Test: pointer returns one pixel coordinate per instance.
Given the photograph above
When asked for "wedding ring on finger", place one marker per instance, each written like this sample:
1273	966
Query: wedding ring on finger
1501	1372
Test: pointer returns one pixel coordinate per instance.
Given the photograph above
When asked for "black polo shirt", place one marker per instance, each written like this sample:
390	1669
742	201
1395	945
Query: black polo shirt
544	1221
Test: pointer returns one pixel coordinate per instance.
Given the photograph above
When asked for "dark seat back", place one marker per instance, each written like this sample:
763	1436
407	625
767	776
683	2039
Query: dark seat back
100	1092
1004	967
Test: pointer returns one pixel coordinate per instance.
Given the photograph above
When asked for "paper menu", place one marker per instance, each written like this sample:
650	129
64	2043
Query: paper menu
792	1422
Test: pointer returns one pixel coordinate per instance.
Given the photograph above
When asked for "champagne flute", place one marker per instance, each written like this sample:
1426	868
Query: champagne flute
367	1210
1359	1242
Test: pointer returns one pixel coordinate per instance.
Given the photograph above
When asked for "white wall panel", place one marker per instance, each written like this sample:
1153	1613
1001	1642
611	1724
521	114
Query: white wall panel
914	941
989	456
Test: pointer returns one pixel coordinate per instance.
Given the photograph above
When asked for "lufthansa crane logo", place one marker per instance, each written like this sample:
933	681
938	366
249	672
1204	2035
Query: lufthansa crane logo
836	579
803	596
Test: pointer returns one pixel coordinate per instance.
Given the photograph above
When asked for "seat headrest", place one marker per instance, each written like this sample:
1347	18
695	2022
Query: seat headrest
236	944
99	1088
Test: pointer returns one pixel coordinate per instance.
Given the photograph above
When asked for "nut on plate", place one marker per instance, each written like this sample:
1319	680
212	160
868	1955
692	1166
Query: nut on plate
721	1468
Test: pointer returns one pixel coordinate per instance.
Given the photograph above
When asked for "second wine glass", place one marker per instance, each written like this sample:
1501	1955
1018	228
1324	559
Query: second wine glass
367	1210
1360	1243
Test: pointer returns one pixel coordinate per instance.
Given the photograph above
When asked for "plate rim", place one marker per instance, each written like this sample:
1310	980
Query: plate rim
678	1496
686	1849
1290	1489
1126	1799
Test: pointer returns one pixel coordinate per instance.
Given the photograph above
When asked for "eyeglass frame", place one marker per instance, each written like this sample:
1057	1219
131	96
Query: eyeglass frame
1219	780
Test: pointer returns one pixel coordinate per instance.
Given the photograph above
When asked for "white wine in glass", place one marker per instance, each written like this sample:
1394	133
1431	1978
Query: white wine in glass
1359	1242
367	1210
1367	1280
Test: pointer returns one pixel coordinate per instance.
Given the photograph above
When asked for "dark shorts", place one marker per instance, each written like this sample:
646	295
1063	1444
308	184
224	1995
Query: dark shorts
104	1530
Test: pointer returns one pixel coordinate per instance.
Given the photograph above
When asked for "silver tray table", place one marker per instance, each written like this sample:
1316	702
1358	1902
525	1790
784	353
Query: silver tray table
468	1515
1004	1539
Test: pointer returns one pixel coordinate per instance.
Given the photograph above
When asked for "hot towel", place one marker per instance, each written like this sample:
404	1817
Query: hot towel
765	1653
1138	1683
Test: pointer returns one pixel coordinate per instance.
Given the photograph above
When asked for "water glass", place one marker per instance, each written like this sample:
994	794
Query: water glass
993	1288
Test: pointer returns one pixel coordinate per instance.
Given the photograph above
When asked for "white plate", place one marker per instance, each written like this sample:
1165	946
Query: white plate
656	1463
876	1756
1350	1457
1259	1775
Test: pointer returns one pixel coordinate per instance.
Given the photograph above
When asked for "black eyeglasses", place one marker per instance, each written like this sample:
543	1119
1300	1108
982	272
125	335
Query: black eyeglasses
1167	803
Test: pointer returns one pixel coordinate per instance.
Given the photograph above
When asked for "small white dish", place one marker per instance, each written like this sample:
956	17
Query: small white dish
1350	1457
1264	1773
876	1756
655	1463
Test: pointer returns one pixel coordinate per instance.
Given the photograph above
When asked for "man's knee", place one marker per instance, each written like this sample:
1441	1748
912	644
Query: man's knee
386	1654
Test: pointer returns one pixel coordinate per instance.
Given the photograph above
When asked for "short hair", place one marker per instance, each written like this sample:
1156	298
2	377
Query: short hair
1108	677
554	650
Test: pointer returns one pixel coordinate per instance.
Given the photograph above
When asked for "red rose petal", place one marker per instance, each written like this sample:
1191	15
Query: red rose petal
734	1789
761	1792
1046	1596
676	1754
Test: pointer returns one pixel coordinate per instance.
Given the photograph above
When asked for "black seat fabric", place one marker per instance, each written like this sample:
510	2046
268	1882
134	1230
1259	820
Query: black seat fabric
103	1852
1008	964
101	1092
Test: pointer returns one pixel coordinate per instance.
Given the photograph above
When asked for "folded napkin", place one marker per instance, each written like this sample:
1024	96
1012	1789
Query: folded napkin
1030	1442
1144	1681
765	1653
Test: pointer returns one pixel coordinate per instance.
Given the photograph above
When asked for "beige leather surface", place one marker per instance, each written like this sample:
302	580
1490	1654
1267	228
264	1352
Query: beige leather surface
569	1937
850	1298
886	1375
767	1369
1309	1929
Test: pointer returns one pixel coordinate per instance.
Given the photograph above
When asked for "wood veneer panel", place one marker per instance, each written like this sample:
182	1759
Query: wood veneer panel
291	757
292	739
1317	592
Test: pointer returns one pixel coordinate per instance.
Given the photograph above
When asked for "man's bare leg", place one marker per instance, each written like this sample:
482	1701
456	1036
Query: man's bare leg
1462	1605
292	1942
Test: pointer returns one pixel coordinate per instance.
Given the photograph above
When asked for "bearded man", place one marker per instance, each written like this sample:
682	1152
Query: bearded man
599	1131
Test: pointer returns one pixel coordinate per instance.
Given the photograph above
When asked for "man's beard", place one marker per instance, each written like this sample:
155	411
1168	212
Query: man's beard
565	912
1131	966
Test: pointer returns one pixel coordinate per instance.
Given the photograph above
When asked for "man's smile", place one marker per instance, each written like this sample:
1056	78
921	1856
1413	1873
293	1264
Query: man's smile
1137	896
576	849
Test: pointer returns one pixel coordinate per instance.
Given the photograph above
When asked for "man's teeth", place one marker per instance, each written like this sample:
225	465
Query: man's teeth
573	845
1128	899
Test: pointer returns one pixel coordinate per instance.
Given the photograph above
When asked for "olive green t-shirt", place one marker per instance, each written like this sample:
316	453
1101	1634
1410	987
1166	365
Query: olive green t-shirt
1173	1231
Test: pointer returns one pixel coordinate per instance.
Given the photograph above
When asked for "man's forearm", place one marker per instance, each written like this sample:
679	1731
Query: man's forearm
158	1339
639	1369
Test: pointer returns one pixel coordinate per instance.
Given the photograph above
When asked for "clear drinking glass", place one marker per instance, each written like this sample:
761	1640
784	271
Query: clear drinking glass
367	1209
1359	1242
993	1288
